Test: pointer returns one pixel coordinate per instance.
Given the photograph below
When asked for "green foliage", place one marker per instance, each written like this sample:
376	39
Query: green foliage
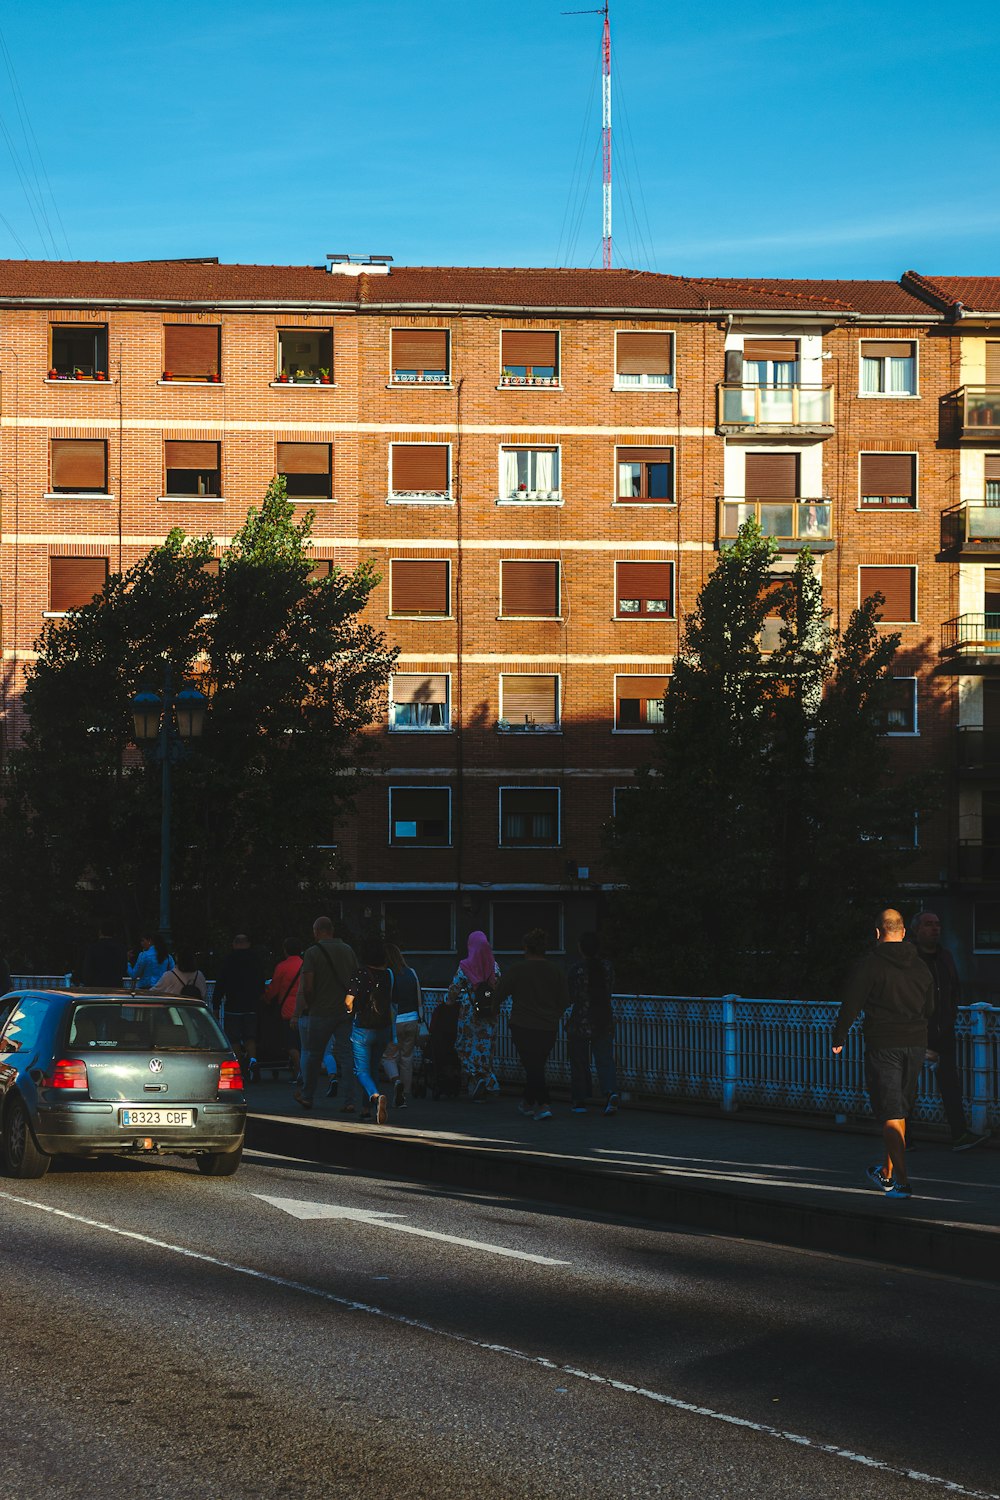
293	678
767	829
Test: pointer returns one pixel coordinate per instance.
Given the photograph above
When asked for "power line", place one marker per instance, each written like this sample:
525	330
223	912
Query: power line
31	141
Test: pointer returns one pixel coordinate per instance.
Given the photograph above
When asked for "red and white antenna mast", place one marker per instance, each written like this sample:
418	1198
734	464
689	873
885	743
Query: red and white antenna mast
605	122
606	133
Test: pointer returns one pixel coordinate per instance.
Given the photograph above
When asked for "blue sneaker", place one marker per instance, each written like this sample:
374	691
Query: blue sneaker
898	1190
877	1178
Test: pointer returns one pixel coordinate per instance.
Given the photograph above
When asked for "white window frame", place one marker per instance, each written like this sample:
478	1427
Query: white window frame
651	619
393	615
555	728
445	728
906	734
441	901
911	568
615	729
419	786
502	448
617	503
644	382
416	384
517	786
520	382
557	900
913	395
305	385
614	796
894	453
559	592
421	497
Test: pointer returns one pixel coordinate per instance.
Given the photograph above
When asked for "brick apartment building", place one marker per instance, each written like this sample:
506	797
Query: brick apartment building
542	466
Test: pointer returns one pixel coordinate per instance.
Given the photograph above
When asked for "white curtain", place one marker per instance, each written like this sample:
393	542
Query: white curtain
544	471
870	373
899	376
508	472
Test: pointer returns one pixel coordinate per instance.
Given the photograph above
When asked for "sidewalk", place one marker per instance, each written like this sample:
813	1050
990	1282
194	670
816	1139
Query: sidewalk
786	1184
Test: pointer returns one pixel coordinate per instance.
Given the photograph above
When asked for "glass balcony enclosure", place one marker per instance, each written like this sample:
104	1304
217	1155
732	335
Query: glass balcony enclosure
794	522
980	411
768	408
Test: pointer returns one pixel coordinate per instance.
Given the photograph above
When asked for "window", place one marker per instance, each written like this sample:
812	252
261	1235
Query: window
644	359
528	703
420	926
529	474
23	1029
420	816
644	589
420	356
888	367
420	700
321	568
420	586
645	476
898	585
191	351
79	350
889	479
307	469
419	471
623	801
639	702
986	926
192	469
991	477
79	466
529	817
529	589
529	357
771	362
511	921
74	581
305	356
899	713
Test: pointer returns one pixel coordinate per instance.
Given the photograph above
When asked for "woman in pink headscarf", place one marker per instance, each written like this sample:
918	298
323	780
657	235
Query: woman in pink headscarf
476	989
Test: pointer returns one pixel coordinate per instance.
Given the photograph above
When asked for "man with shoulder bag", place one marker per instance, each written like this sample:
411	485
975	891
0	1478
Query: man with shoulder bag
327	969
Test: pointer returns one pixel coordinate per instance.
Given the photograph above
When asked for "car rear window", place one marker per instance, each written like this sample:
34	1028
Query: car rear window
145	1027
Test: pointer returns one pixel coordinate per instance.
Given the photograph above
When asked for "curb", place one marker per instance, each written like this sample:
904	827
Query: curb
666	1199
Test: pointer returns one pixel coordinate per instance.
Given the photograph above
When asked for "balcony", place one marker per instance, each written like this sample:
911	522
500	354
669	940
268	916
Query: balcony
776	410
973	639
979	411
793	524
972	529
978	748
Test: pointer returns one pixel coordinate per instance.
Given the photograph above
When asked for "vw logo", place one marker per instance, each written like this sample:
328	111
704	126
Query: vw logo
155	1065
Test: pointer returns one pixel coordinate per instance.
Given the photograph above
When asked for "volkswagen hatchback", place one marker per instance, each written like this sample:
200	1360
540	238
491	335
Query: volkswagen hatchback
85	1074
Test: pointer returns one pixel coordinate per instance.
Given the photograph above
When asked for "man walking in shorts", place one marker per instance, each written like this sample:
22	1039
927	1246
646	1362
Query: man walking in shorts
894	988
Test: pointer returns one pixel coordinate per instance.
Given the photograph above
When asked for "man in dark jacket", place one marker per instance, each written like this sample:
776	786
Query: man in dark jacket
926	935
893	986
240	984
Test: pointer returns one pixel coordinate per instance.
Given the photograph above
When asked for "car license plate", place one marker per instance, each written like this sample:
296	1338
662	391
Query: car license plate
144	1117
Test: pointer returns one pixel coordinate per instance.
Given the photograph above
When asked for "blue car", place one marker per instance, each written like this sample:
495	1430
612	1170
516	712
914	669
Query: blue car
86	1074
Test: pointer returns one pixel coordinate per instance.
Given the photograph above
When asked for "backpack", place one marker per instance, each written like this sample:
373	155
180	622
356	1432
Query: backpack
188	991
484	999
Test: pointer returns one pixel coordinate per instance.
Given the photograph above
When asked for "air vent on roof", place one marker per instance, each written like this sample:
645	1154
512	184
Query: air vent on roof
356	265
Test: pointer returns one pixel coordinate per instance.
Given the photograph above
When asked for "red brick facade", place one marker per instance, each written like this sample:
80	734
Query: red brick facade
473	862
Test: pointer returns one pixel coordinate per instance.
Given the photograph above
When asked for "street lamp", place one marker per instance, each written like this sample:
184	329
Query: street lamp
163	723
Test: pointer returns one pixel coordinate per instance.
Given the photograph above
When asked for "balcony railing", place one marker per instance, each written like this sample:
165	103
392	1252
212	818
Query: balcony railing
792	523
978	748
980	411
972	527
972	635
776	408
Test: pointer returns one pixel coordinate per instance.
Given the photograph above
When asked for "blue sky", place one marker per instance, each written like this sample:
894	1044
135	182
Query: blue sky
839	139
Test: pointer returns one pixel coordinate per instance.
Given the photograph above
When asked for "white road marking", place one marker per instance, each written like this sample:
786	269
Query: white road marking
674	1402
301	1210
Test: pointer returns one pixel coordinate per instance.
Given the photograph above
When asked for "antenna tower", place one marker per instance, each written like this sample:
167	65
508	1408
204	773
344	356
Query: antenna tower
605	121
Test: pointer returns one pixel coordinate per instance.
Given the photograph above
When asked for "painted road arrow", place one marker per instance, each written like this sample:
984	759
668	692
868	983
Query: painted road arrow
301	1210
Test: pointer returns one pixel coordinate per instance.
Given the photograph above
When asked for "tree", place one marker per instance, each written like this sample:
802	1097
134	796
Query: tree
292	676
767	828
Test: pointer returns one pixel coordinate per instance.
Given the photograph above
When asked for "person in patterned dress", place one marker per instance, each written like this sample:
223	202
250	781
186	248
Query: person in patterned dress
474	987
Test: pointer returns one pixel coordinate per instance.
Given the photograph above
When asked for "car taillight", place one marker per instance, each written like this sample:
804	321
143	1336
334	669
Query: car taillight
68	1073
230	1076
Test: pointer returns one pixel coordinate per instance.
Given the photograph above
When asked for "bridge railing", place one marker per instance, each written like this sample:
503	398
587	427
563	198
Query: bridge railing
773	1054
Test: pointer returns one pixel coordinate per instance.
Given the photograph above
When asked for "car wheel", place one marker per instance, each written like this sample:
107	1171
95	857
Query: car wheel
219	1163
22	1156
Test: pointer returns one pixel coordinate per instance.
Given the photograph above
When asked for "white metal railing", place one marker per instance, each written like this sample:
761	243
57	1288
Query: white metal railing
770	1053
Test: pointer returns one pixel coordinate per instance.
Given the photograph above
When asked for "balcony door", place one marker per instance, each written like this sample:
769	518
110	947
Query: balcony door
991	604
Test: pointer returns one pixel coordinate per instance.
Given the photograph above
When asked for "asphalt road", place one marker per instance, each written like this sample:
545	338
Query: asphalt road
167	1335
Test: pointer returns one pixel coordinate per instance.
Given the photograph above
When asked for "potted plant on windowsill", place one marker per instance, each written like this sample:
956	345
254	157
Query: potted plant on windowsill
100	375
54	374
324	376
215	378
283	377
78	373
168	374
